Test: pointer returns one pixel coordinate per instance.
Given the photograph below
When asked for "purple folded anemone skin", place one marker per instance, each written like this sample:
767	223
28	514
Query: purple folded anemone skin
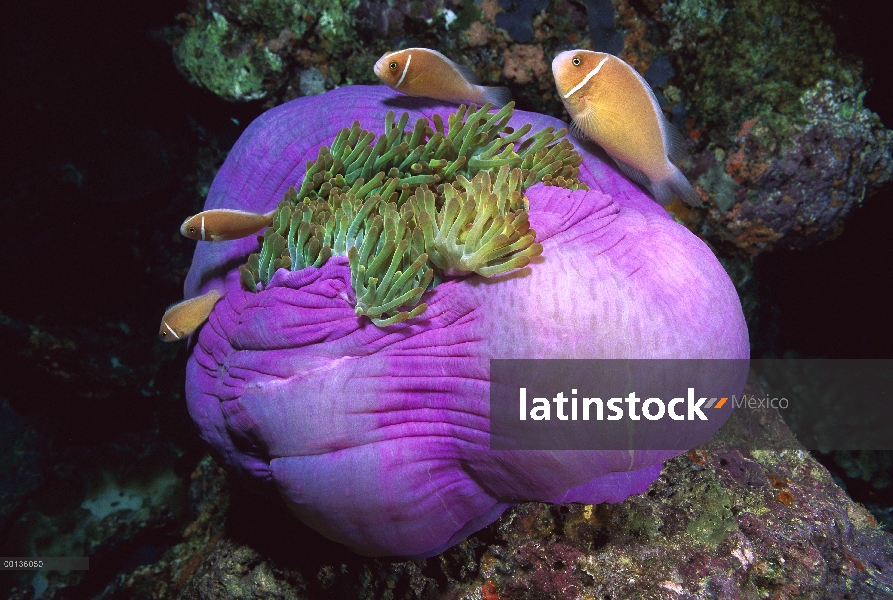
377	437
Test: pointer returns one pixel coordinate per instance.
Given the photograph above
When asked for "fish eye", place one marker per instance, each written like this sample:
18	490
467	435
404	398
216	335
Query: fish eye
192	229
577	61
163	334
392	65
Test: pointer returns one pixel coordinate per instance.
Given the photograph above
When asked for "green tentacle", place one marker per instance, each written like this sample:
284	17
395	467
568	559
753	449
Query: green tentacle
408	207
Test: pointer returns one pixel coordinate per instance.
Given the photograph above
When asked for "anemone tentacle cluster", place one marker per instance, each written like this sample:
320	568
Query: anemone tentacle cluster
416	206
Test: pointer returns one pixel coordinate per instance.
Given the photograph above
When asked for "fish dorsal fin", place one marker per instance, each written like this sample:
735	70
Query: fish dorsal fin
634	174
466	72
674	141
647	86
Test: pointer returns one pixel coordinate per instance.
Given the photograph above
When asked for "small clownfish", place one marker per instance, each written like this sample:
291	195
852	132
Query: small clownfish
428	73
223	224
183	318
612	104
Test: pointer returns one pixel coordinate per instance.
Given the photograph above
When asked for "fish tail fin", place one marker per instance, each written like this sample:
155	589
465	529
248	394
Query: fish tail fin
497	96
675	184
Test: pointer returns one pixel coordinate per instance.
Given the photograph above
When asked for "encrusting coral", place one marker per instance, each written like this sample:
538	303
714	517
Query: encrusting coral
417	205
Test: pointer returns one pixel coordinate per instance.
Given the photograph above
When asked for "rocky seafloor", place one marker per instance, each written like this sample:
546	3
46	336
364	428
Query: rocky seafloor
98	456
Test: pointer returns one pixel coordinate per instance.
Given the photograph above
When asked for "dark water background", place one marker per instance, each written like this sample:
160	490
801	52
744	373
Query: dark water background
99	132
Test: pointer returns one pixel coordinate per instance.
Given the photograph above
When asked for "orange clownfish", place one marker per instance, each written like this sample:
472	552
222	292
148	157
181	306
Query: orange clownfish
614	106
430	74
222	224
183	318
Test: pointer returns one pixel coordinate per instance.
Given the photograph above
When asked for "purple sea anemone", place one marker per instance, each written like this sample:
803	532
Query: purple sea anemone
377	436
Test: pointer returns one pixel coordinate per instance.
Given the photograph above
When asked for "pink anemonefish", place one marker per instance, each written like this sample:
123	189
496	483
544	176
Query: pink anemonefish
223	224
613	105
183	318
428	73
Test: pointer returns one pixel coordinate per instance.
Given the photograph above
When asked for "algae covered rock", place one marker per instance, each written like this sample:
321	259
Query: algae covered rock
219	48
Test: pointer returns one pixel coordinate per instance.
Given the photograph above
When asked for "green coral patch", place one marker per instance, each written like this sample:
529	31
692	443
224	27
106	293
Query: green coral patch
210	55
412	206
